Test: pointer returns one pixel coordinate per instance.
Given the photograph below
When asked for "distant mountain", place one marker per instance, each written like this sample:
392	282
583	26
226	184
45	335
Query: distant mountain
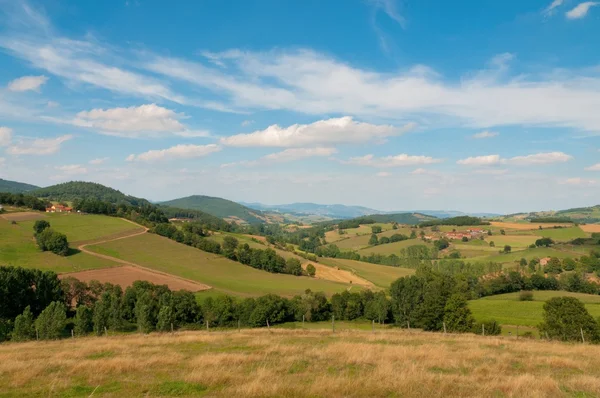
338	211
402	218
219	207
335	211
73	190
15	186
588	215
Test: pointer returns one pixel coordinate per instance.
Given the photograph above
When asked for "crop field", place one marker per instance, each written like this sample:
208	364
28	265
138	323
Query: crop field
590	228
562	234
228	276
299	363
526	225
393	248
124	276
18	248
23	216
380	275
507	309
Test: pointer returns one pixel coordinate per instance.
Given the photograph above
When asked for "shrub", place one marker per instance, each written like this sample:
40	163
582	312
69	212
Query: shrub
311	270
24	329
83	321
51	321
55	242
566	318
526	295
40	226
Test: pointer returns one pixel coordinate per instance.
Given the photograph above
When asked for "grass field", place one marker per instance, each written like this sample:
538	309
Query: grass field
299	363
507	309
562	234
393	248
18	248
164	255
359	242
79	227
528	254
380	275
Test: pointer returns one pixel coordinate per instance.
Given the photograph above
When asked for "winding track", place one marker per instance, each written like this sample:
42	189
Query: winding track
83	248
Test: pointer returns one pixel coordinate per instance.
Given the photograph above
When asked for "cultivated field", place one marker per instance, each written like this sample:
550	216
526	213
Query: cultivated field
380	275
525	225
590	228
508	310
359	242
562	234
124	276
227	276
23	216
299	363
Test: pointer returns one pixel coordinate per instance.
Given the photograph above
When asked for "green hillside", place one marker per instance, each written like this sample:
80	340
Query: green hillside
587	215
15	186
218	207
73	190
402	218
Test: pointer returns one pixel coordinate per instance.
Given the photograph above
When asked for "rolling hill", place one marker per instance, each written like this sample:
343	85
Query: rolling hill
218	207
586	215
401	218
335	211
15	186
72	190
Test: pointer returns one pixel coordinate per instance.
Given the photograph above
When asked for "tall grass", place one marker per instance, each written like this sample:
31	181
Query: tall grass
278	362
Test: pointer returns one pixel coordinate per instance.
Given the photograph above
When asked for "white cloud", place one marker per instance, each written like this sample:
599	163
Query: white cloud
98	161
148	120
390	8
383	174
534	159
581	10
486	160
5	136
541	158
72	169
595	167
391	161
52	104
578	181
292	154
330	131
177	152
551	8
27	83
38	146
247	123
486	134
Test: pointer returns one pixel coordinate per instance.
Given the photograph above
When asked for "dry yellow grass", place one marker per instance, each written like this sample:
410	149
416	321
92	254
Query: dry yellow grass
258	363
526	226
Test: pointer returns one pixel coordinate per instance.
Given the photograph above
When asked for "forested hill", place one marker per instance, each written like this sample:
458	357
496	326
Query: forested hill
79	190
588	215
218	207
402	218
15	186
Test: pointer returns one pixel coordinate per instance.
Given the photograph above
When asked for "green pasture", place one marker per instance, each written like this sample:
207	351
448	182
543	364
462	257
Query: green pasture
562	234
362	241
507	309
380	275
393	248
18	248
228	276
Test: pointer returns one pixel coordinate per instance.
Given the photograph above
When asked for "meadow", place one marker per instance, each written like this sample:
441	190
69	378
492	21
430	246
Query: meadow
18	248
312	363
562	234
380	275
222	274
393	248
508	310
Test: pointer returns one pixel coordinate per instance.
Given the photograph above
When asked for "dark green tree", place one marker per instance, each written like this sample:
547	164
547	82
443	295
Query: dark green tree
373	241
40	225
165	319
311	270
51	322
83	322
293	266
565	318
24	326
457	315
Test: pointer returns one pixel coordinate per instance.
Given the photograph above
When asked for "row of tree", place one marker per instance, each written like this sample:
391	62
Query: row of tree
21	200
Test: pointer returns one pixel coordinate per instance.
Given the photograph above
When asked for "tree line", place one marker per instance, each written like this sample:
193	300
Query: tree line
21	200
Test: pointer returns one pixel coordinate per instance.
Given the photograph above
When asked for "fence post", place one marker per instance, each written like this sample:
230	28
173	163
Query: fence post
582	338
444	323
302	321
239	326
408	323
482	329
105	331
207	326
517	332
37	335
333	323
373	326
72	334
268	326
171	327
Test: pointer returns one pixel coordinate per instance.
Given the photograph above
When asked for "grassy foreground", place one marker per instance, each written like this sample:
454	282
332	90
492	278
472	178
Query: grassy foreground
277	362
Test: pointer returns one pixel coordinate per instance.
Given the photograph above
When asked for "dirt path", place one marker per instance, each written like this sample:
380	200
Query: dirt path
83	248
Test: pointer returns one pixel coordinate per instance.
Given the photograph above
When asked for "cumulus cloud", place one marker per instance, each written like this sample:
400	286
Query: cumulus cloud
38	146
391	161
5	136
98	161
292	154
330	131
27	83
534	159
581	10
486	160
176	152
148	120
595	167
485	134
72	169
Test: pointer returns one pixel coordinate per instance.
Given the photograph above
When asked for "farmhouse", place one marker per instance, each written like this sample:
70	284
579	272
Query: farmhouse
458	235
544	261
58	209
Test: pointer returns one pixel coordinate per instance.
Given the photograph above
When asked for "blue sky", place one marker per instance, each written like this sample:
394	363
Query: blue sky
396	105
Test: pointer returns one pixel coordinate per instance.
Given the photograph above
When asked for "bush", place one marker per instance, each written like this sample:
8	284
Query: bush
83	321
55	242
24	329
526	295
40	226
566	318
311	270
51	322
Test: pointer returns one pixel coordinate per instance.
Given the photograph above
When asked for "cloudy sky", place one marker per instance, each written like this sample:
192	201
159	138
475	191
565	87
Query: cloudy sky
478	105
